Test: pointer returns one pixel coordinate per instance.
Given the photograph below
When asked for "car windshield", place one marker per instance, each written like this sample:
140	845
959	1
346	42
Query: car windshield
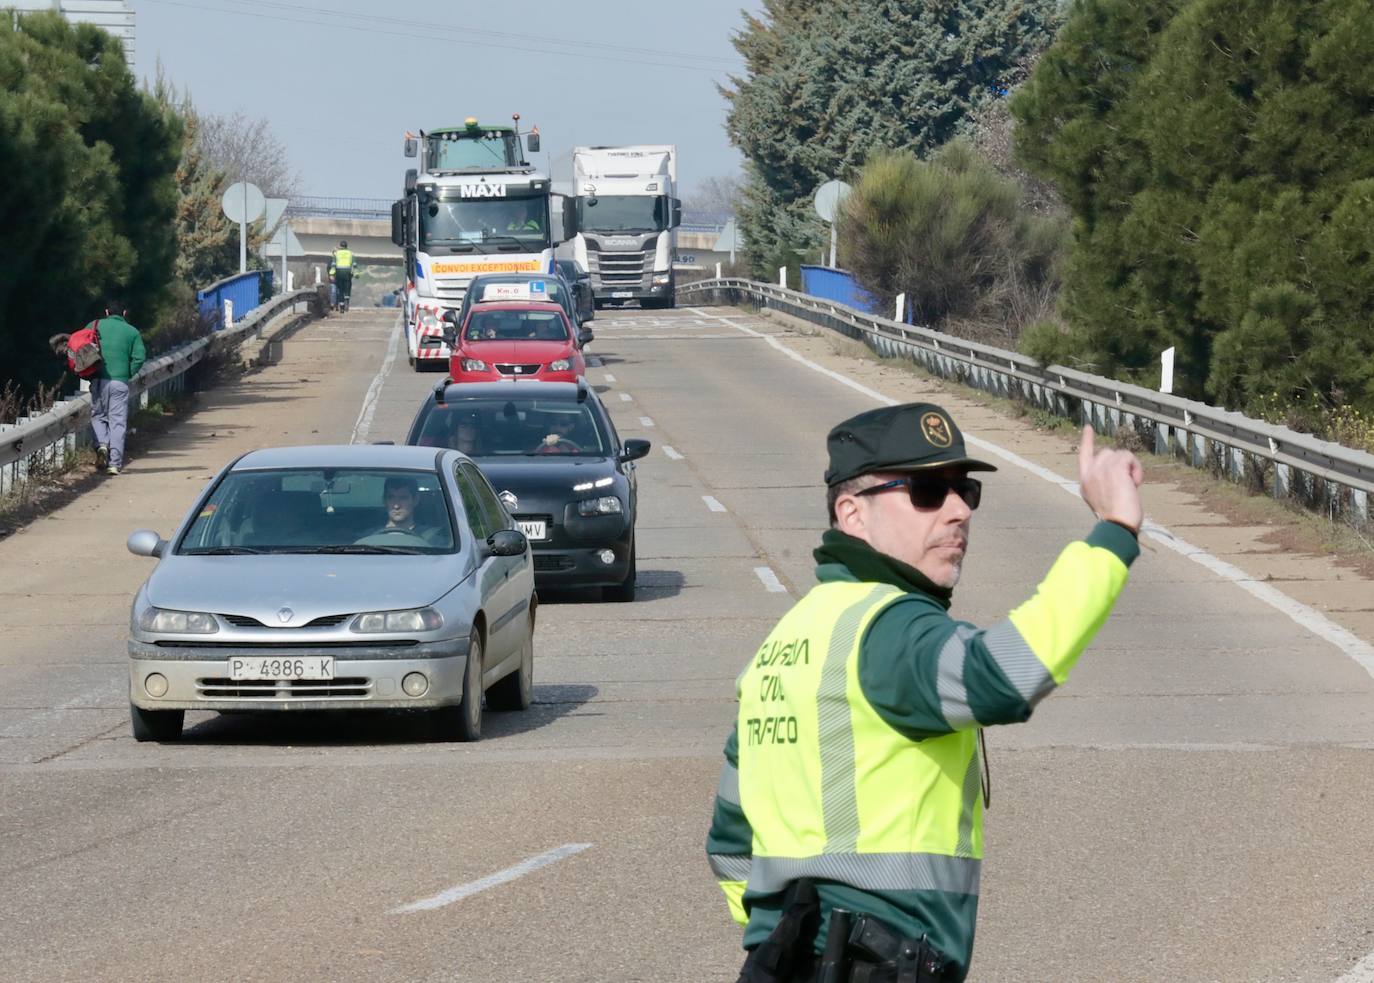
513	427
510	325
323	510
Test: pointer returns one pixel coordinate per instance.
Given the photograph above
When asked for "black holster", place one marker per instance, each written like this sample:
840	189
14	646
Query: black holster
880	955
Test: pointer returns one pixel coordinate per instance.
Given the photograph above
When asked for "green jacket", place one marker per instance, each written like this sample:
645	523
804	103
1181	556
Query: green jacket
899	667
121	349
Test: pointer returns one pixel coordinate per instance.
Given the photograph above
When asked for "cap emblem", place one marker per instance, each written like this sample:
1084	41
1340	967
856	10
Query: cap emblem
935	428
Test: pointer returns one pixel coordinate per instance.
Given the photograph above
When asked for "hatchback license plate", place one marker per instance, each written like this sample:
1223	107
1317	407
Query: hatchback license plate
270	667
533	528
623	293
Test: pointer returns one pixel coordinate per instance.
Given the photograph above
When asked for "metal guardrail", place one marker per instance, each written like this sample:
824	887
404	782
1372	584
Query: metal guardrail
46	439
1322	476
308	206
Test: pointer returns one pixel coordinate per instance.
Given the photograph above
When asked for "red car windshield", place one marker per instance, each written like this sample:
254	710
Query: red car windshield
508	325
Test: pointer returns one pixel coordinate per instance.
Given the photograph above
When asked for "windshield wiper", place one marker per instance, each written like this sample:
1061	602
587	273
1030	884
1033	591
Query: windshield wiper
519	244
354	548
221	551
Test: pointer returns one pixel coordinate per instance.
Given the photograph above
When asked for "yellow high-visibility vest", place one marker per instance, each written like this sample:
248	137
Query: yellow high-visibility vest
343	259
830	789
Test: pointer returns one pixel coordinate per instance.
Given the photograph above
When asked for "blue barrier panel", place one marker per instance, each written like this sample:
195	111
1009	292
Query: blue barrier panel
241	288
837	285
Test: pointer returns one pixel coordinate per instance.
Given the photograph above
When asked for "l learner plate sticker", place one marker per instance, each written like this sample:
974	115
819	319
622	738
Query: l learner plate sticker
282	667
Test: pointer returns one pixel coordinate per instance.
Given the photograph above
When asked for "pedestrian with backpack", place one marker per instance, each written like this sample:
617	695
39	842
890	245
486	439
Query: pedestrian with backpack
121	355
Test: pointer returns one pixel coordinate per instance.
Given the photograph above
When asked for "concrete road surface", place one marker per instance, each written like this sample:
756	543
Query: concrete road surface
1194	805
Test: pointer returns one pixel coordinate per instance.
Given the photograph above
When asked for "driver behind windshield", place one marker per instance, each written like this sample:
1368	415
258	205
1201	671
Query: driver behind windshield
562	435
401	495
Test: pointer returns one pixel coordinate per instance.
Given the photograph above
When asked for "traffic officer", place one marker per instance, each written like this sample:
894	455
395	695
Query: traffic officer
850	796
341	269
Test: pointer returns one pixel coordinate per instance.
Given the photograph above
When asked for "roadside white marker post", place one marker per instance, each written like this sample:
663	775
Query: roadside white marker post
901	307
290	280
1166	375
782	276
717	271
319	278
228	314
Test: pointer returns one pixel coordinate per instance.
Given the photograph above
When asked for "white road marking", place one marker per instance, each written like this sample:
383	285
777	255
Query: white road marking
364	421
1363	972
461	891
1355	648
625	397
672	454
770	580
644	421
609	377
712	504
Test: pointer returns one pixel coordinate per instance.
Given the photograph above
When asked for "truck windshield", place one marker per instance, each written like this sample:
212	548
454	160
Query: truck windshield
500	150
623	213
486	225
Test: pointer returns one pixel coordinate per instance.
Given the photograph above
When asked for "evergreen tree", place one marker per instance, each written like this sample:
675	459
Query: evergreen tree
87	202
827	86
1217	155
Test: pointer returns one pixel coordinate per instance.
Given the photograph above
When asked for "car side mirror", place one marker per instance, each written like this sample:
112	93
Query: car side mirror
633	450
450	316
145	542
506	542
585	337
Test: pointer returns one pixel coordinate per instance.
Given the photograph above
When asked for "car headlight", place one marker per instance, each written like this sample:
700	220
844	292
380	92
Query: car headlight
607	505
474	365
429	318
416	619
177	622
560	365
661	279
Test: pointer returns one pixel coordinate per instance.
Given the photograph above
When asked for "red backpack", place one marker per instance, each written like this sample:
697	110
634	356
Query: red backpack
83	351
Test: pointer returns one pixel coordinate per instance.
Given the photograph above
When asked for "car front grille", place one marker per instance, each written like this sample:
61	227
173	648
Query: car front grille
553	561
627	268
327	621
524	368
343	688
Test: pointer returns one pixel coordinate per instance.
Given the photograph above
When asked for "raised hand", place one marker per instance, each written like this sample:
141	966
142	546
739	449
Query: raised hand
1110	482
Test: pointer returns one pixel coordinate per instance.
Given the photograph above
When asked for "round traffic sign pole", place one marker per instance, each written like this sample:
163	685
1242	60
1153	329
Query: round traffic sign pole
243	202
828	198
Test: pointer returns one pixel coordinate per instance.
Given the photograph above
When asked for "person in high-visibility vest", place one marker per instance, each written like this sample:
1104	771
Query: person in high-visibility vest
848	826
341	269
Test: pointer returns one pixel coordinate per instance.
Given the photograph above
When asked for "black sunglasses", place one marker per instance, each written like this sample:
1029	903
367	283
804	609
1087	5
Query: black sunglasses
929	491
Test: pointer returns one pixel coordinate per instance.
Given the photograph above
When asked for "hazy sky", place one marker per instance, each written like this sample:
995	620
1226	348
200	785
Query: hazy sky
340	83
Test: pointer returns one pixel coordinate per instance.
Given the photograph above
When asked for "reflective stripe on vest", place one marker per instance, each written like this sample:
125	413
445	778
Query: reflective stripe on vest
343	259
830	789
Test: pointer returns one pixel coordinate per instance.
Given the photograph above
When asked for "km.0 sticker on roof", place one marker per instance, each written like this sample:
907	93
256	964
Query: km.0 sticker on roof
506	291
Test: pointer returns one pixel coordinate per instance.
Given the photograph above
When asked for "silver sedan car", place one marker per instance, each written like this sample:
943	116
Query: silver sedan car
336	578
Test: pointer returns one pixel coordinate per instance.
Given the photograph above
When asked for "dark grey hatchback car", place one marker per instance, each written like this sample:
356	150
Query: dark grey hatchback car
559	467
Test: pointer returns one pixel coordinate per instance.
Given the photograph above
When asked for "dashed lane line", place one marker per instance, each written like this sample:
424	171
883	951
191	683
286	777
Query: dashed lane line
461	891
609	377
713	504
770	580
673	455
644	421
369	407
625	397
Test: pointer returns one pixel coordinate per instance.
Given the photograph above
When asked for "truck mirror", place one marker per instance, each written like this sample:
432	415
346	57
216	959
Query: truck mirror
677	213
569	220
412	177
398	223
532	142
410	147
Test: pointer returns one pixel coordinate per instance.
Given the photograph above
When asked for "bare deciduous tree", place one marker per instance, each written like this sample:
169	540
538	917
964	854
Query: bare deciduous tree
715	195
246	149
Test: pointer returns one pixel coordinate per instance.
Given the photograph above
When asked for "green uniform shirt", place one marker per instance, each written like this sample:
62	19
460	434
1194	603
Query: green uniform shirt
899	659
121	349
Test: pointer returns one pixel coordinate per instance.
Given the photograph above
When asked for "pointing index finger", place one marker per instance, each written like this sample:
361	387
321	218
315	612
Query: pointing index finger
1086	451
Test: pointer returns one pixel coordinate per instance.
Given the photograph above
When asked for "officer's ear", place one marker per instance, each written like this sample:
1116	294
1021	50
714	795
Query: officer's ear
849	515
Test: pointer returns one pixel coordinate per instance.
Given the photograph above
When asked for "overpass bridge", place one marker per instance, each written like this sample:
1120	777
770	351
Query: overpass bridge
1205	775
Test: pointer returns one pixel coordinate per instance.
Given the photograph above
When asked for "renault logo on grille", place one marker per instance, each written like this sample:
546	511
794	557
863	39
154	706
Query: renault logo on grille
285	615
509	500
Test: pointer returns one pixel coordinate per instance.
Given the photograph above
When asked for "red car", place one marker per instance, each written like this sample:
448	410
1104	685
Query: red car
517	340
